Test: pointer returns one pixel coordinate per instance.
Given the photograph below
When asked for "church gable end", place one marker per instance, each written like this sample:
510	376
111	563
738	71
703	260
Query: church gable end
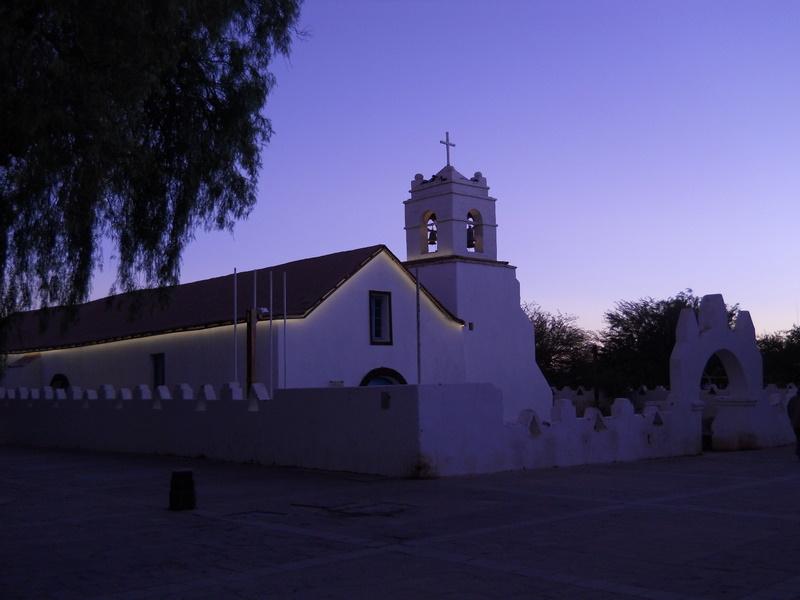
195	305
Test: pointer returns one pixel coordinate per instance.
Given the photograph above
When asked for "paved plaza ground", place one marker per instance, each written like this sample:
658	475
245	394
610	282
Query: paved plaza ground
87	525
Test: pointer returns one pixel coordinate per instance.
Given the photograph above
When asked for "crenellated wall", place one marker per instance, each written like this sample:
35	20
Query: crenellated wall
427	430
361	429
584	398
423	430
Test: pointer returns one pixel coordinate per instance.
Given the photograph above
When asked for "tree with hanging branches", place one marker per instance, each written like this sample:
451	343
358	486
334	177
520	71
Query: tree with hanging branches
136	121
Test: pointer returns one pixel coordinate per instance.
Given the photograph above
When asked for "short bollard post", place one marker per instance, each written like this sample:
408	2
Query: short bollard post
181	491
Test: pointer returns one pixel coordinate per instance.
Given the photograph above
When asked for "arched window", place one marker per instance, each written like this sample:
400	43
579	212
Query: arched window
474	231
383	376
59	382
430	233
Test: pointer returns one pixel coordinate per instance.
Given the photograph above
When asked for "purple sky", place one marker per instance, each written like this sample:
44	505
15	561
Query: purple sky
636	148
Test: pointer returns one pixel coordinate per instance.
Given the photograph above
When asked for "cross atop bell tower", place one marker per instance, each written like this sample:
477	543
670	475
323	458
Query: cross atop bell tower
447	145
450	215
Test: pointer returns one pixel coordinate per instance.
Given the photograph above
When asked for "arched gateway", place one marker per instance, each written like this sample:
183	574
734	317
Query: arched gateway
744	416
700	337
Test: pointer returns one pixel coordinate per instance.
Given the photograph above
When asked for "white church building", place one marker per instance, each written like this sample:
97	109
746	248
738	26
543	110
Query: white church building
358	361
351	318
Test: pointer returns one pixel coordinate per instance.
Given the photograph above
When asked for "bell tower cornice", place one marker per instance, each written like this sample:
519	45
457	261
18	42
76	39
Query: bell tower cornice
448	179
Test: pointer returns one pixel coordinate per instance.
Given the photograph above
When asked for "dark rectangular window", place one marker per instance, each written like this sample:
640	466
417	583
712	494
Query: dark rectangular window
159	369
380	317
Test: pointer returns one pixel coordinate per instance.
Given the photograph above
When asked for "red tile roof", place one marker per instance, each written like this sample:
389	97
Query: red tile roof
196	305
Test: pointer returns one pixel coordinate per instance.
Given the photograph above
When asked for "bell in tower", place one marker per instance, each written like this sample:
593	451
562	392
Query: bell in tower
433	238
470	233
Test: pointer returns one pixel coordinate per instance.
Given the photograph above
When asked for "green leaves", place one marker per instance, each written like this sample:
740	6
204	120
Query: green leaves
140	121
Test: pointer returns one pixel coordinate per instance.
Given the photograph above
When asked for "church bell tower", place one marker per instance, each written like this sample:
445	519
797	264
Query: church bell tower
450	215
451	247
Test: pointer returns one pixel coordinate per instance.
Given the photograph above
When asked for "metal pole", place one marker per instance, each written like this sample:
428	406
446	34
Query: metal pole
594	377
419	355
284	329
271	366
235	318
252	338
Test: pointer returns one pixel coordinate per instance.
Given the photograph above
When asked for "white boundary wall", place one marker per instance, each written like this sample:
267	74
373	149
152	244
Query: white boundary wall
428	430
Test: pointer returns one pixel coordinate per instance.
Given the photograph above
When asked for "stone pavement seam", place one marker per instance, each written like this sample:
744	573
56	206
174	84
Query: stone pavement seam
250	576
527	571
292	529
315	552
516	525
788	589
745	483
724	488
719	511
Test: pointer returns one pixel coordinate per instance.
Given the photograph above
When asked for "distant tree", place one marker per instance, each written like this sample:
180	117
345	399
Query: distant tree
780	352
638	340
133	120
563	349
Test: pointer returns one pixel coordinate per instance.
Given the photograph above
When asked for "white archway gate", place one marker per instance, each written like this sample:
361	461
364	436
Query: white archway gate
744	417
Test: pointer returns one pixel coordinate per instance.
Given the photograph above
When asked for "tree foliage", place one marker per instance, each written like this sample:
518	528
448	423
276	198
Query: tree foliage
635	346
780	352
563	349
133	120
638	340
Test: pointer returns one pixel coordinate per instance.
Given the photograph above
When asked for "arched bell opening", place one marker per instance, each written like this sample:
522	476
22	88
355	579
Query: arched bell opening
429	231
722	379
474	232
382	376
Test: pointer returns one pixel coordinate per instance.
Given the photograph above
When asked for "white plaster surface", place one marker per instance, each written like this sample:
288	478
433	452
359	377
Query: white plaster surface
500	348
428	430
745	416
498	341
333	342
330	344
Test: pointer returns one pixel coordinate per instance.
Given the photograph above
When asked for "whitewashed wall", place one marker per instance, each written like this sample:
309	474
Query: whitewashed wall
207	353
351	429
428	430
331	344
746	416
500	348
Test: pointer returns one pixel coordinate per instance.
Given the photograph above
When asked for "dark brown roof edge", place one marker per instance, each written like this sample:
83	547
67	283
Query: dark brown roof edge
399	263
422	288
378	249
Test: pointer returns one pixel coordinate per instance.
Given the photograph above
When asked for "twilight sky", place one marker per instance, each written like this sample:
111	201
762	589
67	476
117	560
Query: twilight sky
636	148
